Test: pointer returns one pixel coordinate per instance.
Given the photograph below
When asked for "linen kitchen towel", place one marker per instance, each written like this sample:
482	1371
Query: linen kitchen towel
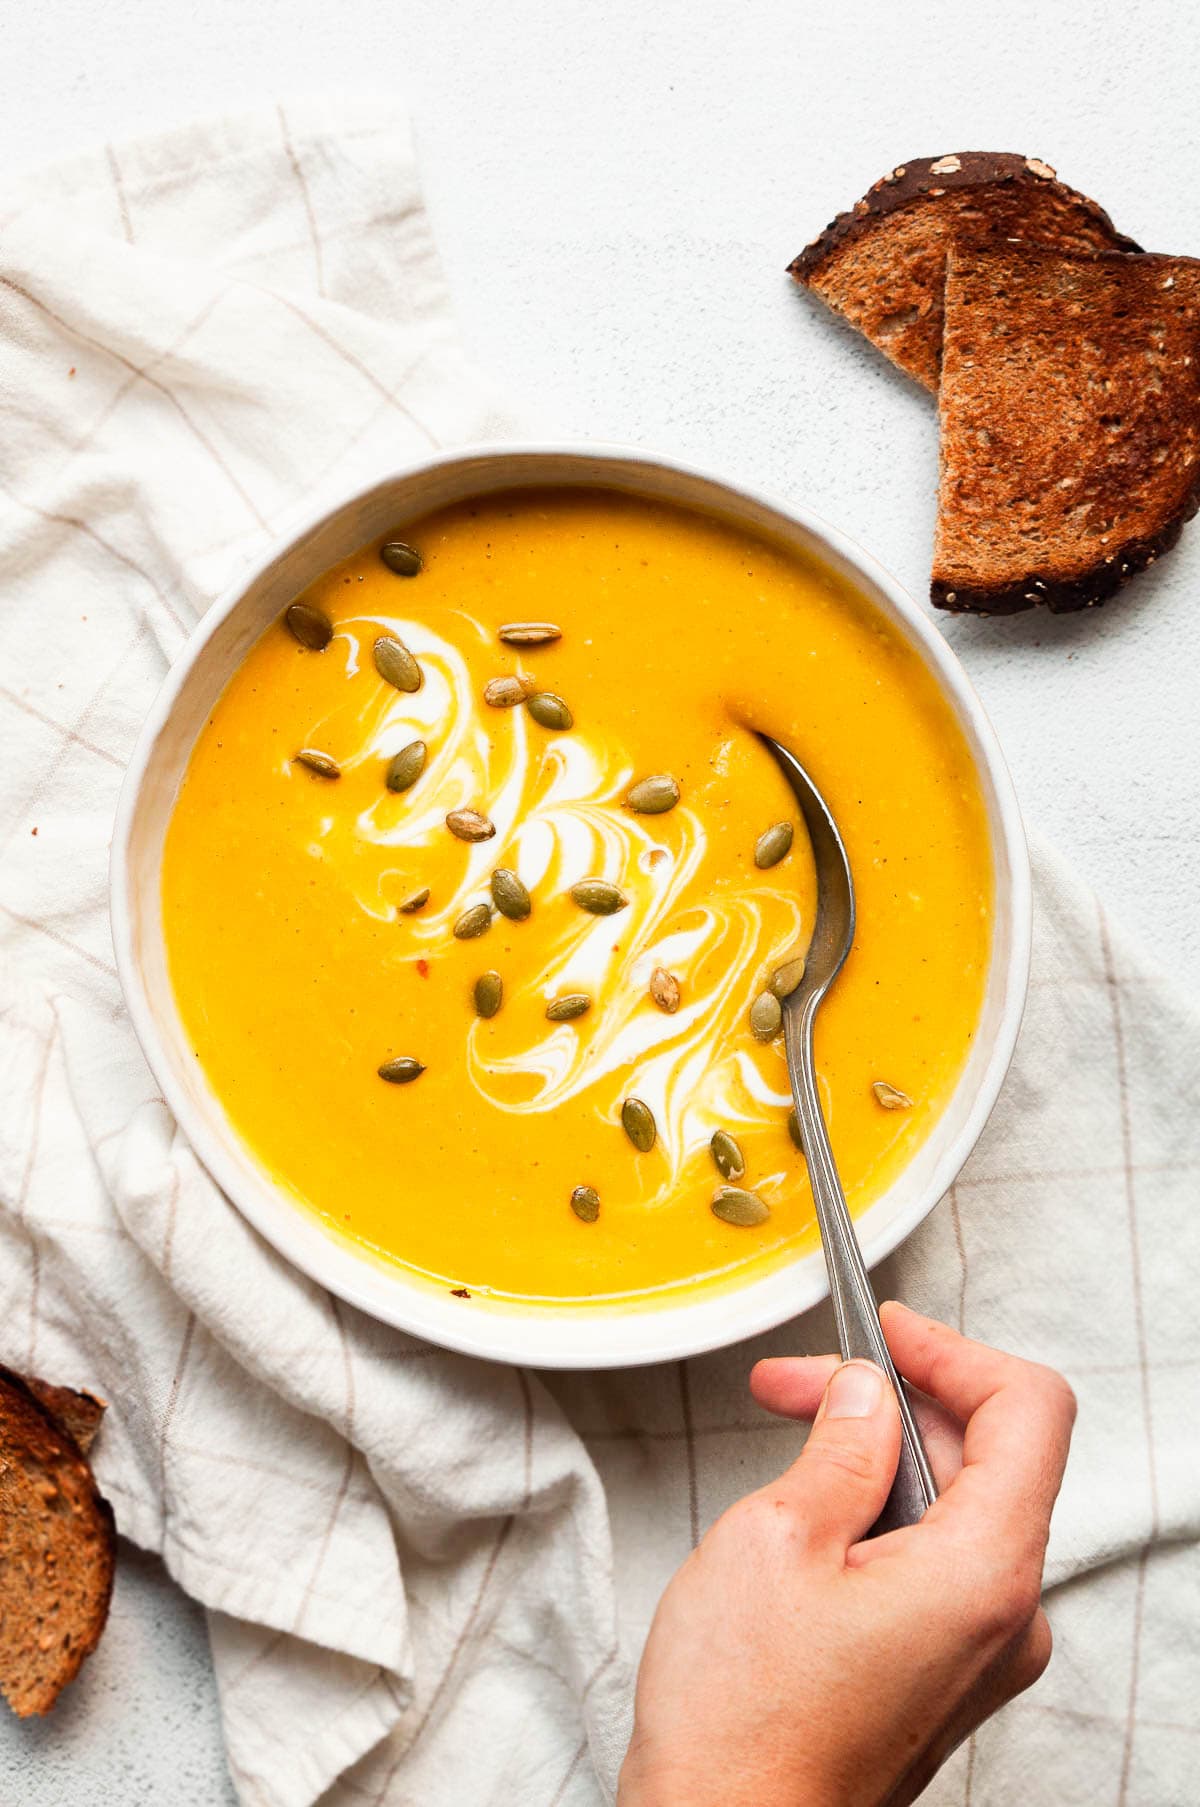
428	1578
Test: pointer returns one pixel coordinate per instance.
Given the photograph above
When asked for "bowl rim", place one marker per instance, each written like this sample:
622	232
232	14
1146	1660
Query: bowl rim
501	1330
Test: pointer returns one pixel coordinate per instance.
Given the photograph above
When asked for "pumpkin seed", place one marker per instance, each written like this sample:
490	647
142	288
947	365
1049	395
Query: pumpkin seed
529	633
320	763
664	989
396	665
506	693
731	1162
489	994
653	796
585	1202
773	845
312	627
794	1130
566	1009
401	1071
743	1209
509	895
469	825
404	560
786	978
406	766
637	1120
416	902
549	711
473	922
891	1097
598	897
766	1016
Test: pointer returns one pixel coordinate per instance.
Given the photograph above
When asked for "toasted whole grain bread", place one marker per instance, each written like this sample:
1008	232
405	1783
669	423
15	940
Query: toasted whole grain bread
57	1546
1070	424
882	265
78	1413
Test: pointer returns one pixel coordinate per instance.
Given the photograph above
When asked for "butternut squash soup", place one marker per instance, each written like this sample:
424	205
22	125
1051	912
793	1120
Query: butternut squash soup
480	893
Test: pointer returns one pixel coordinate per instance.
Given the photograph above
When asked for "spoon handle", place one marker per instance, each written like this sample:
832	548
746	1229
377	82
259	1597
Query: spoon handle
860	1333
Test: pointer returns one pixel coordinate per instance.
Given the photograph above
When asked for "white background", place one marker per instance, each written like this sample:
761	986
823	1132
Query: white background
616	187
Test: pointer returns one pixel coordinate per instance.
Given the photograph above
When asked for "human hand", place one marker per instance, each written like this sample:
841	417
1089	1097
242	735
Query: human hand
790	1663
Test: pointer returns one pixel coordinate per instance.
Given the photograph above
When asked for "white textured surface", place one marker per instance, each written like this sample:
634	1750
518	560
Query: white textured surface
616	189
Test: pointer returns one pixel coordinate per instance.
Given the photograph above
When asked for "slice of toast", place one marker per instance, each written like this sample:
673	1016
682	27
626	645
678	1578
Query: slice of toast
57	1546
1070	425
883	264
79	1414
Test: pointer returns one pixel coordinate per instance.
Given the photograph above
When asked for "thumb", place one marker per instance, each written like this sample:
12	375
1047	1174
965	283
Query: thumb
843	1475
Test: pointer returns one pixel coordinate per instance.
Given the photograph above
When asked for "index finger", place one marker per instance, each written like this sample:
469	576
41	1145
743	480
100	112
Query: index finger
1018	1417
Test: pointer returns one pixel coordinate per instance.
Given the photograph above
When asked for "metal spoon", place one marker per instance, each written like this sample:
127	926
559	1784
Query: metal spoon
859	1330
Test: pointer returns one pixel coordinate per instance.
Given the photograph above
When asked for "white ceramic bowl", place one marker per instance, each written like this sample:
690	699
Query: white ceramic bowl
566	1336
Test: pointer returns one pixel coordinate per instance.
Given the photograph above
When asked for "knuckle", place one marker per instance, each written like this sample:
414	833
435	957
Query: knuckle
1061	1394
1033	1655
759	1520
851	1458
1005	1599
1055	1390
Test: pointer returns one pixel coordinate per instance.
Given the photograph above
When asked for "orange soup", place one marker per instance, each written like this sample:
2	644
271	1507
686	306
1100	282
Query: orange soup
511	1084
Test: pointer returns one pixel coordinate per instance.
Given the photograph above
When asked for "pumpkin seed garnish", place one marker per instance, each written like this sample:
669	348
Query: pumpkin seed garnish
415	902
396	665
473	922
773	845
549	711
786	978
891	1097
529	633
637	1120
406	766
743	1209
664	989
404	560
598	897
585	1202
401	1071
653	796
469	825
506	693
509	895
566	1009
312	627
320	763
731	1162
489	994
766	1016
794	1130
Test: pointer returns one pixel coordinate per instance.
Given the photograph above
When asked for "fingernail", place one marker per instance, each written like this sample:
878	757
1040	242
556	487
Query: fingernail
855	1391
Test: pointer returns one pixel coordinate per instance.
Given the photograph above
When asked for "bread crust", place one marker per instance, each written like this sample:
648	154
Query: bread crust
927	179
58	1537
79	1414
1064	596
